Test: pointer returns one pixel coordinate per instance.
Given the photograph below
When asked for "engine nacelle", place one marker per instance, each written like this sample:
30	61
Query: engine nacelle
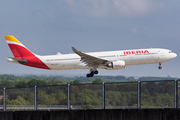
116	65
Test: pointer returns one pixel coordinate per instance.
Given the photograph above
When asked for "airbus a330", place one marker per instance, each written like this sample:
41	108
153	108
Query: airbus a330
109	60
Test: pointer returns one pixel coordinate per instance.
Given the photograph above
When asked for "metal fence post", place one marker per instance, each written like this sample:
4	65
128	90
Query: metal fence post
139	94
4	99
176	93
103	95
68	96
35	98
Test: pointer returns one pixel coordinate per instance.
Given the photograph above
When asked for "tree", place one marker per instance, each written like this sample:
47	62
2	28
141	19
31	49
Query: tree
143	103
61	97
21	84
131	79
7	84
151	87
22	100
89	107
98	80
42	98
76	82
15	102
35	82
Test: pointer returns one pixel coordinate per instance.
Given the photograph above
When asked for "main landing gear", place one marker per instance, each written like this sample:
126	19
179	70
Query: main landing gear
160	66
92	72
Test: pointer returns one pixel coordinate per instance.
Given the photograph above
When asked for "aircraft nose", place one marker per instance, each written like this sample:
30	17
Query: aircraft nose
175	55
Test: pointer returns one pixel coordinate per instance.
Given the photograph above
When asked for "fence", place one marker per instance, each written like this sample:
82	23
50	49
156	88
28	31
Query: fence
138	94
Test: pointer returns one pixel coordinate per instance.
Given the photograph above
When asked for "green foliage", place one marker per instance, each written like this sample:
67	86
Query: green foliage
15	102
75	82
86	107
155	78
143	103
87	96
35	82
98	80
131	79
22	100
7	84
21	84
43	97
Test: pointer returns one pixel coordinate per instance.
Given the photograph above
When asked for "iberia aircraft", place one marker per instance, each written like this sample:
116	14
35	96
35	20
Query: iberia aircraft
110	60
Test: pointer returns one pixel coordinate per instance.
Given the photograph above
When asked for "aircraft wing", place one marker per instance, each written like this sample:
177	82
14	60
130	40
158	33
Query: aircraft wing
88	59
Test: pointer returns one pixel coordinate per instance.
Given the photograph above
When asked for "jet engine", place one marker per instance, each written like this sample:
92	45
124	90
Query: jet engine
116	65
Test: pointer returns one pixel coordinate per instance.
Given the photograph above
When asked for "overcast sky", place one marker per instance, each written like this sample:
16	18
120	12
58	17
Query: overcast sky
47	27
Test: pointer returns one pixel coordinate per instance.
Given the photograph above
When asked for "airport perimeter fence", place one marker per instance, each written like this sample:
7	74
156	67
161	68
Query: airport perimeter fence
116	95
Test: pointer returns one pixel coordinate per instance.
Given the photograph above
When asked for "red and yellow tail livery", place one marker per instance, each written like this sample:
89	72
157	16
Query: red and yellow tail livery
22	55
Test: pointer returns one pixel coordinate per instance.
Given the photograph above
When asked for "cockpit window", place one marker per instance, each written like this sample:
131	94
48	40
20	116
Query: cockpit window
170	52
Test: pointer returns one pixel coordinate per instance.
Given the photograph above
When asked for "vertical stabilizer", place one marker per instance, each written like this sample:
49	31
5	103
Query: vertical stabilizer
17	48
22	55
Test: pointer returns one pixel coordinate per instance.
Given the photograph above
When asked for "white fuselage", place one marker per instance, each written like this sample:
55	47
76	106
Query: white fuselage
110	60
130	57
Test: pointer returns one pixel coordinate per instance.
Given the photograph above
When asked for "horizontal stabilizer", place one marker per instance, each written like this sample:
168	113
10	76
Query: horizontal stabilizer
17	60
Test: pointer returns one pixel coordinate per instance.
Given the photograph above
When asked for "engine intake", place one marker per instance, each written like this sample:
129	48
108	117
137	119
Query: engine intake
116	65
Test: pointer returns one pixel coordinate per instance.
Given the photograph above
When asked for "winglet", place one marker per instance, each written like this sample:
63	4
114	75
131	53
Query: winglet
74	50
78	52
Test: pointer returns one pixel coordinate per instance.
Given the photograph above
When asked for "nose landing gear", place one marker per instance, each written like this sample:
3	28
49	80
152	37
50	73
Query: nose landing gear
160	66
92	72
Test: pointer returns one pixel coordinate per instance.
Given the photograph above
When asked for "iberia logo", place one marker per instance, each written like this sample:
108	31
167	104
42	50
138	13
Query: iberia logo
135	52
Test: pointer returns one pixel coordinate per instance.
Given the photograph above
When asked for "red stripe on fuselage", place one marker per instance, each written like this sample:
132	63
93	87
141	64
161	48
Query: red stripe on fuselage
22	52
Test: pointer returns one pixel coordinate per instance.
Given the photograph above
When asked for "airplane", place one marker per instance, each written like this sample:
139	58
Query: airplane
109	60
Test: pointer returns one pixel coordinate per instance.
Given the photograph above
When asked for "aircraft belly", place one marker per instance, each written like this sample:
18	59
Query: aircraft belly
81	66
144	59
65	65
84	66
55	65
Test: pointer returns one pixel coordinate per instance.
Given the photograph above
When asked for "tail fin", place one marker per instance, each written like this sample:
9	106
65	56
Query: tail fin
17	48
22	55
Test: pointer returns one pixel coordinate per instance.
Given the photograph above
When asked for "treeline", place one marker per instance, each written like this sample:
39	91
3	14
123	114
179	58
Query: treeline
62	78
17	82
89	95
9	81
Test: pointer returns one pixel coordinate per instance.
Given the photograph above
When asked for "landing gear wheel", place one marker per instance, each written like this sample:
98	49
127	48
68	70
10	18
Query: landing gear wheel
95	72
90	75
87	75
160	67
92	72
